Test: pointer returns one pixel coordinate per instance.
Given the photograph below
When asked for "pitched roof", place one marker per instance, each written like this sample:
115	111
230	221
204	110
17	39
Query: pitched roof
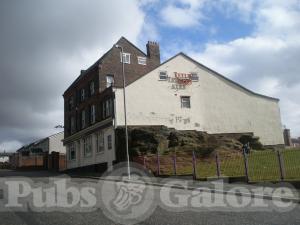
84	72
212	72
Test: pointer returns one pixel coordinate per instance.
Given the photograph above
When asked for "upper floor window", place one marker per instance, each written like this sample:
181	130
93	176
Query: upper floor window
82	94
163	75
100	142
87	146
92	87
71	103
109	80
194	77
83	119
72	152
125	58
142	60
72	124
185	102
93	114
107	108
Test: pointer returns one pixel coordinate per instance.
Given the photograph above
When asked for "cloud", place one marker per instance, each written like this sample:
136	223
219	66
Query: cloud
43	46
182	13
267	61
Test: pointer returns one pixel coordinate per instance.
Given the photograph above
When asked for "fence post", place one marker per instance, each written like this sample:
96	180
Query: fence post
174	164
218	165
281	165
246	166
144	161
158	164
194	166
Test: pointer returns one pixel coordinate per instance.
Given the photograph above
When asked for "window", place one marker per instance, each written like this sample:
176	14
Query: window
163	75
100	142
109	80
87	146
92	87
185	102
93	114
126	57
82	94
194	77
107	108
109	142
83	119
142	60
72	122
71	103
72	151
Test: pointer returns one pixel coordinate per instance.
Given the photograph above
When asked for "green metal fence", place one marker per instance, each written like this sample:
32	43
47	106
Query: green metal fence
265	165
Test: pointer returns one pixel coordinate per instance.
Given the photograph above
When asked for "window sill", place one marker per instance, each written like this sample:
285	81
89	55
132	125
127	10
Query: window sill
100	153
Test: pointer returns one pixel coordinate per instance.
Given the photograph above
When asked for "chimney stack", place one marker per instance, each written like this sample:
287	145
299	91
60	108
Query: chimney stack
153	52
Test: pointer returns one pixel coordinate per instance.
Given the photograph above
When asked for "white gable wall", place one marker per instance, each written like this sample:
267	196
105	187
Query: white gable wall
217	105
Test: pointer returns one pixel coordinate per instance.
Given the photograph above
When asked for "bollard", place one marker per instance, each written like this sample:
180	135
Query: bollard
246	166
158	164
194	166
281	165
174	165
218	165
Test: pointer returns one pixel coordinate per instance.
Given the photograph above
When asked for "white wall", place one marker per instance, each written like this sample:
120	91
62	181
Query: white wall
217	105
56	144
95	158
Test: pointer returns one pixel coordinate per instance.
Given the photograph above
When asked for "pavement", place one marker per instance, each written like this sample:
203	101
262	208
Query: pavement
161	215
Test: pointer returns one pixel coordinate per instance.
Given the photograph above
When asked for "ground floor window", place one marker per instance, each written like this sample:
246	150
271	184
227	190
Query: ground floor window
100	142
87	146
109	142
185	102
72	151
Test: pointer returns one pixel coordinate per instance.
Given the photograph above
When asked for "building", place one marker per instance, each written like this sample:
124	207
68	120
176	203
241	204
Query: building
287	137
47	153
180	93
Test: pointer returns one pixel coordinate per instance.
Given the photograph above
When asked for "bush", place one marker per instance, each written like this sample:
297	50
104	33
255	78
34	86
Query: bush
253	142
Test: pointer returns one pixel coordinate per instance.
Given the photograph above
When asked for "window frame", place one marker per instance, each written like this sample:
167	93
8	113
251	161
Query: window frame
82	94
160	76
92	88
182	102
142	60
100	139
83	119
125	54
72	124
109	142
93	114
194	77
72	148
110	84
87	145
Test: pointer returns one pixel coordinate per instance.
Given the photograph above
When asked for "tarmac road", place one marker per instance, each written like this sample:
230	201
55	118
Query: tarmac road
159	216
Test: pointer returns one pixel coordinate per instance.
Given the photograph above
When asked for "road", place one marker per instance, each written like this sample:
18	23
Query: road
159	216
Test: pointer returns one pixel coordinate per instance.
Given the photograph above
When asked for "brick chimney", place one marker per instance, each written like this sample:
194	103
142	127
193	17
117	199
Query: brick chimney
153	52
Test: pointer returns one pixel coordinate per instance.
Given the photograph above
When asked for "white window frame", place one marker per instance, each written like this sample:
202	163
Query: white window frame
100	142
163	77
93	114
82	94
109	80
126	57
72	148
92	87
109	142
83	123
185	102
87	146
142	60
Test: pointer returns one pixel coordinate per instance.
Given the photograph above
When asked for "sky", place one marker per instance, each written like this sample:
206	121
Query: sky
45	44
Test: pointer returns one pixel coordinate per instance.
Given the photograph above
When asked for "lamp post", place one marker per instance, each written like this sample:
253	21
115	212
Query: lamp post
125	112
